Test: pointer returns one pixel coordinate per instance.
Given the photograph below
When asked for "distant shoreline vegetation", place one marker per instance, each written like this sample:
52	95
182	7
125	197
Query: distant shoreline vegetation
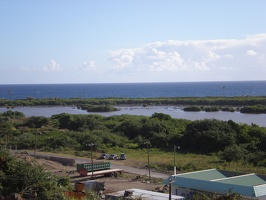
256	109
98	108
208	104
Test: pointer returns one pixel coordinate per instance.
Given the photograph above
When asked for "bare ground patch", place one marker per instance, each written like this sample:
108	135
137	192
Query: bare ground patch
122	182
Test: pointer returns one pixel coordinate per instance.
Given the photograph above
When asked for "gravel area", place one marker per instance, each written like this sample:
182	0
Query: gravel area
122	182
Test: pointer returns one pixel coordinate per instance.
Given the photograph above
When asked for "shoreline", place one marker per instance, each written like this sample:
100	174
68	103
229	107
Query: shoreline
48	111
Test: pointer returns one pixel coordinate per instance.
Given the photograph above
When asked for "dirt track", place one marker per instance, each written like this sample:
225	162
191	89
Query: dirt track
123	182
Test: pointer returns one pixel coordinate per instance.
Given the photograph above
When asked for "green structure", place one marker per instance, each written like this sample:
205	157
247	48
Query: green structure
250	186
96	166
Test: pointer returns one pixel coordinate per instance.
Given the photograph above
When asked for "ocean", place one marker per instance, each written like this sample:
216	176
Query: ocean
139	90
133	90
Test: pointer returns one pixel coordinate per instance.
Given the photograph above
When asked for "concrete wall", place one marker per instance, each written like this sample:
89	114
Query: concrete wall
63	161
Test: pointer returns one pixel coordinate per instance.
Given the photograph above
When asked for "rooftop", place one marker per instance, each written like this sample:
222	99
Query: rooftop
144	194
219	181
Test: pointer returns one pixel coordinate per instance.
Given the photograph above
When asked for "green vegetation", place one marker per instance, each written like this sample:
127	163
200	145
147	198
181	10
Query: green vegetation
29	180
108	104
254	109
98	108
211	109
192	108
207	104
204	144
228	109
206	109
228	196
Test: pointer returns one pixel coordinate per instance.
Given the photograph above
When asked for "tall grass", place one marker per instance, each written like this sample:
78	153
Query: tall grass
164	161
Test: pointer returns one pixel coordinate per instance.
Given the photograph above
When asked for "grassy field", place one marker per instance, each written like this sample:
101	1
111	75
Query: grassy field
164	161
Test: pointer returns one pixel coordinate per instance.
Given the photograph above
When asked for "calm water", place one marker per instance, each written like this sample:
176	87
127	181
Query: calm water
135	90
259	119
139	90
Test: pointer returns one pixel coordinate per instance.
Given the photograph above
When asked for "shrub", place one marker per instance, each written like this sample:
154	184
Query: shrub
192	108
211	109
254	109
233	153
29	180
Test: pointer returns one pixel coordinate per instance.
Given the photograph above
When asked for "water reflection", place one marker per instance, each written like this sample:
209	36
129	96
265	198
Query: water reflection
175	112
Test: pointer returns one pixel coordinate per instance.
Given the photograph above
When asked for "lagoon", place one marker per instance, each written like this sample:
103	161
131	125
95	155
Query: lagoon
173	111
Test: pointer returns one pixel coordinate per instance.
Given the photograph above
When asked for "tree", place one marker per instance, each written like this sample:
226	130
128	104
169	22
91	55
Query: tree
228	196
29	179
12	114
58	140
234	153
130	127
36	122
207	136
161	116
63	120
6	131
258	135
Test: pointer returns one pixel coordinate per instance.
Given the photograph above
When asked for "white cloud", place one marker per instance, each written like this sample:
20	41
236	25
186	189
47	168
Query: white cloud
91	66
24	68
200	55
53	66
123	58
251	53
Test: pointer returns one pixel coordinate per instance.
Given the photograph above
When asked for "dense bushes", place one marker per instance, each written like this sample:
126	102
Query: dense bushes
233	153
14	115
192	108
29	180
211	109
228	109
206	101
254	109
232	141
98	108
207	109
207	136
37	122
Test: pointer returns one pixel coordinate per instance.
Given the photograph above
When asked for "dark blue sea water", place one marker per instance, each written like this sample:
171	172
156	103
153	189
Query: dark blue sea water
134	90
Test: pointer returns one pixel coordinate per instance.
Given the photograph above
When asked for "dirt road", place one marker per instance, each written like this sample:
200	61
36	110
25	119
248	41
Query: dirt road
131	178
120	164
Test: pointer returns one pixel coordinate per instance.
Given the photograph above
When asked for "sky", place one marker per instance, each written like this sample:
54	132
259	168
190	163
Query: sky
130	41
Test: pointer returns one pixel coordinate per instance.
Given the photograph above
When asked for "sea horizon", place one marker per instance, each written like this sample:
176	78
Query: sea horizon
132	82
133	90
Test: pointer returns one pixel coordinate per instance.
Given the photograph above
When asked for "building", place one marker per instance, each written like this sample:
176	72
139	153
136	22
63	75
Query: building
143	194
250	186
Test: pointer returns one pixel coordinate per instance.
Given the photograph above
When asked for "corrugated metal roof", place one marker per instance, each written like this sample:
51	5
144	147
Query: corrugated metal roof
215	181
245	180
260	190
209	174
146	195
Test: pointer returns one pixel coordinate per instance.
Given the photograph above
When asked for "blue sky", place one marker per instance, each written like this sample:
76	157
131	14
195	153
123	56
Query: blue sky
119	41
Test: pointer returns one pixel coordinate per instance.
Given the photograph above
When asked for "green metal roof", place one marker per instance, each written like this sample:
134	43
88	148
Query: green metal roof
217	181
245	180
209	174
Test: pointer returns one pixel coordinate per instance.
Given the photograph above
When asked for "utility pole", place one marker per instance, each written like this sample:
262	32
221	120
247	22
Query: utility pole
175	147
92	169
147	142
171	180
35	139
